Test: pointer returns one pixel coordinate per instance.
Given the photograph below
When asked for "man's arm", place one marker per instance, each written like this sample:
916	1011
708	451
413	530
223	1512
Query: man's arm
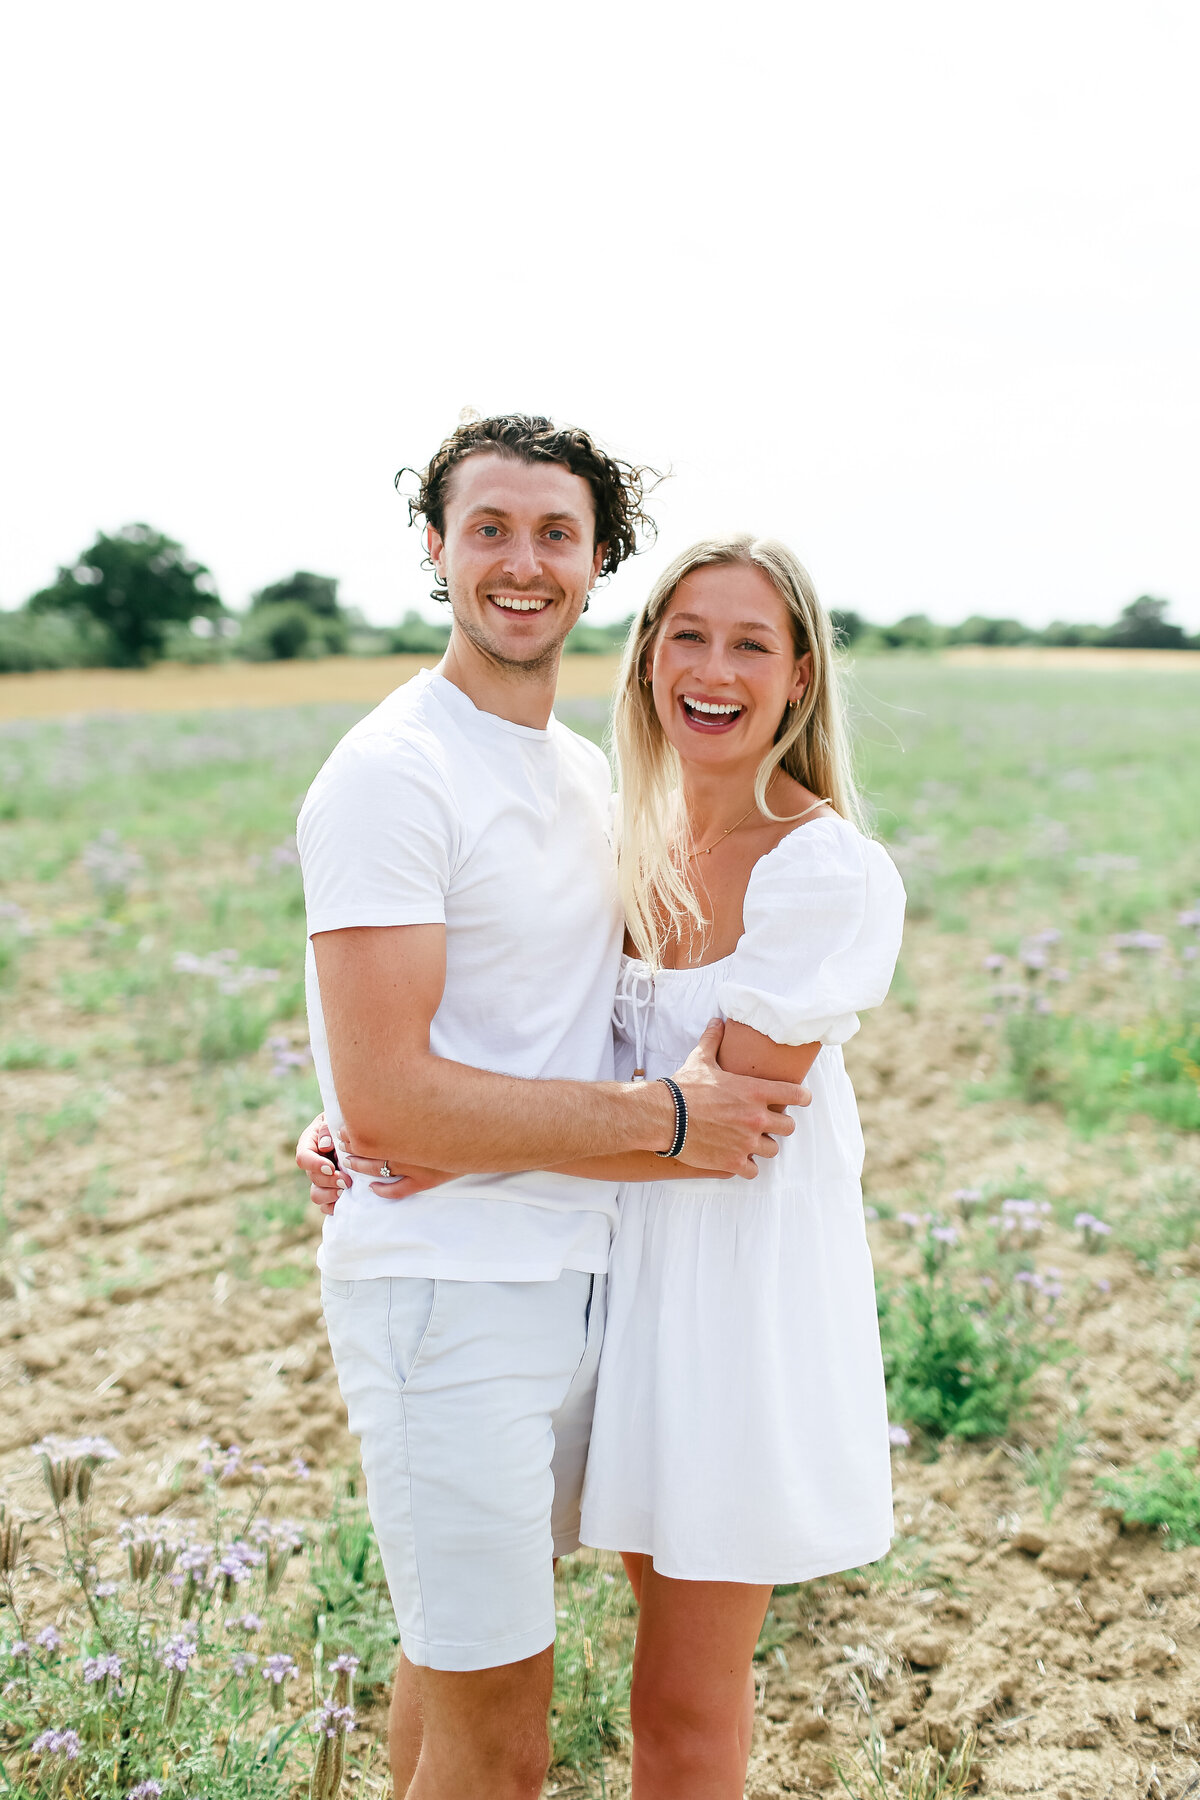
380	988
742	1051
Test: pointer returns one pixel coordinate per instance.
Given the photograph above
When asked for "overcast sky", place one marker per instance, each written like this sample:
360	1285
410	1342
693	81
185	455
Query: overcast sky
914	287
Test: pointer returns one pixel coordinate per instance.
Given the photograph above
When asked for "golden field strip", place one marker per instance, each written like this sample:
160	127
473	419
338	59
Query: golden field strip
179	687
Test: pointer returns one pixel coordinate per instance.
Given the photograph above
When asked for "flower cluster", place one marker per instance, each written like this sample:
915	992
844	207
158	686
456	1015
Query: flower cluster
57	1743
220	966
1094	1230
110	867
284	1058
178	1653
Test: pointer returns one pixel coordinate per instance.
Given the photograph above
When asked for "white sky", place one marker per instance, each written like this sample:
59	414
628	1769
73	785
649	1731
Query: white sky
915	287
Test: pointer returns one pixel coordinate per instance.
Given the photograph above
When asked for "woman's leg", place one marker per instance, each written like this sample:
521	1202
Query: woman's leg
693	1685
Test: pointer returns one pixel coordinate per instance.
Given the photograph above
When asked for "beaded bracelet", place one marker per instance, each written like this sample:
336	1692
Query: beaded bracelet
681	1118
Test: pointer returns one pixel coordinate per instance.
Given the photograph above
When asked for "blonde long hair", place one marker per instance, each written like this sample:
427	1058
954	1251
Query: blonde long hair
811	745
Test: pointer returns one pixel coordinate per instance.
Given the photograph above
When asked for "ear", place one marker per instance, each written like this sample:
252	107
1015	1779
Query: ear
436	547
597	563
802	676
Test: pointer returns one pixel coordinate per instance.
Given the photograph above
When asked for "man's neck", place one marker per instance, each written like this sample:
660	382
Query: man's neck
523	696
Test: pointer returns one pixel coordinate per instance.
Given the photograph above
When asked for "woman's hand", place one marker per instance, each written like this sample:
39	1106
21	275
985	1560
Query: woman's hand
406	1179
316	1156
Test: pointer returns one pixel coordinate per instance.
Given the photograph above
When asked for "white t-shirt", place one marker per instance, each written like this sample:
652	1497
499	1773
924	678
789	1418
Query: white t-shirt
432	812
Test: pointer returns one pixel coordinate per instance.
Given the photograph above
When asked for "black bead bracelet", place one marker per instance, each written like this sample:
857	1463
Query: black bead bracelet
681	1118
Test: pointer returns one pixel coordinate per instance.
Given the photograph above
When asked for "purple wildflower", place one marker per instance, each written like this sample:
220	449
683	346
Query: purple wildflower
332	1718
1190	917
898	1438
994	963
57	1743
1139	940
280	1668
49	1638
300	1469
179	1653
242	1661
145	1790
100	1668
967	1196
249	1623
104	1590
19	1649
944	1234
345	1664
1104	1284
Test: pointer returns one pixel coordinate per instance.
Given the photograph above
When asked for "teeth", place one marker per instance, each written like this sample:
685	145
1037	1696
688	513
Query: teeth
511	603
710	706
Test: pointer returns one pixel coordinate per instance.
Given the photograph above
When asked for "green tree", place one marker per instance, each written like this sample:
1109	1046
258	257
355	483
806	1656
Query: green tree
1143	626
318	592
134	584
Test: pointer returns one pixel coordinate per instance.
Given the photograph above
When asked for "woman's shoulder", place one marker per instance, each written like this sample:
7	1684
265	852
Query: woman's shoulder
825	854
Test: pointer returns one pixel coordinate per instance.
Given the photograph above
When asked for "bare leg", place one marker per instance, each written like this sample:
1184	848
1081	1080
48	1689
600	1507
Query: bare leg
693	1685
404	1726
482	1733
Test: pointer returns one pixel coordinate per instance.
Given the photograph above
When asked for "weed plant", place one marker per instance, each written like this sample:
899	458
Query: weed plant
1164	1495
919	1775
958	1363
1047	1468
593	1668
170	1664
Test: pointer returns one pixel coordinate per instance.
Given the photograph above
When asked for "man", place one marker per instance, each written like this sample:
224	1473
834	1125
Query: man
465	933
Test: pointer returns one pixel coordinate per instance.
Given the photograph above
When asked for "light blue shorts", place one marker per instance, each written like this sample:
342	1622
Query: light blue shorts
472	1401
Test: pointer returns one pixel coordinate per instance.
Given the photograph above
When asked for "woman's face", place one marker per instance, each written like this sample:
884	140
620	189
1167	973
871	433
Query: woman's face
724	666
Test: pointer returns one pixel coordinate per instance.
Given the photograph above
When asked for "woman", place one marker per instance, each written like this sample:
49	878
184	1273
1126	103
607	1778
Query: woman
740	1435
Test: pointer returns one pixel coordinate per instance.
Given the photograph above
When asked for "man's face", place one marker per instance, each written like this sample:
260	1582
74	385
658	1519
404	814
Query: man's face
518	556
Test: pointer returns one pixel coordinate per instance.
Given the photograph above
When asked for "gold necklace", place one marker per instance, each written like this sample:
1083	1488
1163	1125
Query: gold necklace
692	854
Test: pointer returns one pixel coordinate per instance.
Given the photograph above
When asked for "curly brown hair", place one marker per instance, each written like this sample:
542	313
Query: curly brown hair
618	488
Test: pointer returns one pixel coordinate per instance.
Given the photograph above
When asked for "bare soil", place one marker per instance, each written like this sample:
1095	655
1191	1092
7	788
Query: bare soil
1073	1648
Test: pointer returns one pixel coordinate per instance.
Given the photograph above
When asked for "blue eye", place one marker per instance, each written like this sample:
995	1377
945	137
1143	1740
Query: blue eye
490	530
556	533
749	644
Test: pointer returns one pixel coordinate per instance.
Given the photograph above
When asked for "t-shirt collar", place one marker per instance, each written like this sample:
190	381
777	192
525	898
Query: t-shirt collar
474	718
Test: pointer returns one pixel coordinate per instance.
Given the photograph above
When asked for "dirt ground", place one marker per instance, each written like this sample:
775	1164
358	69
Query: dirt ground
1074	1649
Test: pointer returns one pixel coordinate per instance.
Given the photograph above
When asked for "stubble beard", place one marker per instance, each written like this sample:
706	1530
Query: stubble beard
532	668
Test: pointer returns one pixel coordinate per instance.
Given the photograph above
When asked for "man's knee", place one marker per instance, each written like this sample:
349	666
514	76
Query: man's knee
492	1723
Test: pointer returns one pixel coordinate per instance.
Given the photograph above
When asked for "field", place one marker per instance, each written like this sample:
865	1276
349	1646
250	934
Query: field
1030	1097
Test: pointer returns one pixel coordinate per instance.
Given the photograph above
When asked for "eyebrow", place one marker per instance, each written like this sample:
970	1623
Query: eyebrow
498	512
740	624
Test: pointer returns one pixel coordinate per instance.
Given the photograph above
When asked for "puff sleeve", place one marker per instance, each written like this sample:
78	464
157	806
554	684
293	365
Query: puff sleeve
822	923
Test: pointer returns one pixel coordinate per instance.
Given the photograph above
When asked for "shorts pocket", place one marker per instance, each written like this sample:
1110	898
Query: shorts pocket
332	1289
412	1304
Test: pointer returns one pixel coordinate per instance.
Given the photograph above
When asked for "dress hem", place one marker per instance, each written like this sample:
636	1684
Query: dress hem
832	1563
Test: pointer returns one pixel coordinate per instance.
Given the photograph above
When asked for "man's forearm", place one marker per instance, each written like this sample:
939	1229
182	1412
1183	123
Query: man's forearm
447	1115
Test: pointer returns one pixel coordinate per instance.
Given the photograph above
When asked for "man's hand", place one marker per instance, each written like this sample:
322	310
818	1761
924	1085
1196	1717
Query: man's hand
733	1118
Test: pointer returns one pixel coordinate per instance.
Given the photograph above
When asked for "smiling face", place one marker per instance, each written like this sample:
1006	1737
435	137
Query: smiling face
518	556
724	666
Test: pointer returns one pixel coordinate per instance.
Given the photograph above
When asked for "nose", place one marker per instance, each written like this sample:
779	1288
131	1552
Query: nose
522	560
714	664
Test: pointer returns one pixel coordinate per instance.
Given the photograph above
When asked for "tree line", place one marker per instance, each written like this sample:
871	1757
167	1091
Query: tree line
135	597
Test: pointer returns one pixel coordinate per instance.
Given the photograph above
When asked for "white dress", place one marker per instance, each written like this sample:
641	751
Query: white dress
741	1424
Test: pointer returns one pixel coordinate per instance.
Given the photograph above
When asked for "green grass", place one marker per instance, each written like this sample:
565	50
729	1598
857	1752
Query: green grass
1165	1495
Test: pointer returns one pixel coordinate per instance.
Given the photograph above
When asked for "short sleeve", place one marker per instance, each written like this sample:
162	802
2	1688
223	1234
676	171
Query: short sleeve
822	923
378	837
